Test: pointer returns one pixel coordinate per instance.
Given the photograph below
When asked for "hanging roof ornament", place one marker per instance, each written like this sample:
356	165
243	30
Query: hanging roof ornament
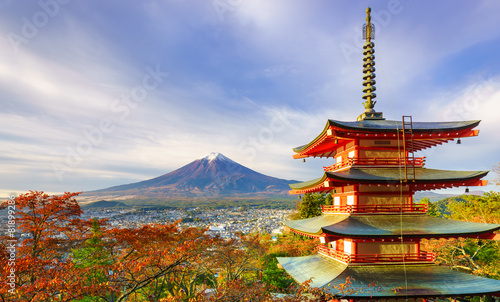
369	71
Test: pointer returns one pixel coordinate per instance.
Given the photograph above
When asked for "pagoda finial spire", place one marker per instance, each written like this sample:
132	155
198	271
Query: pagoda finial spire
368	29
369	70
369	63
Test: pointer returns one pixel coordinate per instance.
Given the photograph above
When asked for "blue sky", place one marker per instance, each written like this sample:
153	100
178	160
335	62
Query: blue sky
101	93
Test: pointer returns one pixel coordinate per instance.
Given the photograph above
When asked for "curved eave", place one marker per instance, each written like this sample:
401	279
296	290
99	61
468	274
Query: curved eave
313	226
425	179
387	125
386	281
390	226
422	175
318	139
311	184
426	135
416	226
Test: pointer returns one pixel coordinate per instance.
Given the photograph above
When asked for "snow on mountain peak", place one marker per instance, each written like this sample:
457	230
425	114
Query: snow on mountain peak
216	155
212	156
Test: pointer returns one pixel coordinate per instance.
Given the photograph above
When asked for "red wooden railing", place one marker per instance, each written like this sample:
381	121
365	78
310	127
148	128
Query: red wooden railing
381	161
374	258
334	253
375	208
422	256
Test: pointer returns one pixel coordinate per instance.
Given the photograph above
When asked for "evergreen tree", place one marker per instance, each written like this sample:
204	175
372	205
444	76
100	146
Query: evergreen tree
432	208
329	199
311	205
94	259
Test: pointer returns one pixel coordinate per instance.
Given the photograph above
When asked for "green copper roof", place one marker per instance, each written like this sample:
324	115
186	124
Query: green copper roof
314	225
395	174
386	125
309	183
321	268
387	226
391	175
389	280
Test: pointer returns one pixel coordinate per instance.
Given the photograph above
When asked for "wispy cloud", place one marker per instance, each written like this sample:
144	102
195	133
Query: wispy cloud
250	79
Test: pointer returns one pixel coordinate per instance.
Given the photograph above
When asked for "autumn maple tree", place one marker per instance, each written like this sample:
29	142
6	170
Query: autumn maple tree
48	226
62	257
146	257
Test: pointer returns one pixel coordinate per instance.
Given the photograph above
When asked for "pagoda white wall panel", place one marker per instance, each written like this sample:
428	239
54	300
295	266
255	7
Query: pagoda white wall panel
378	248
348	247
381	199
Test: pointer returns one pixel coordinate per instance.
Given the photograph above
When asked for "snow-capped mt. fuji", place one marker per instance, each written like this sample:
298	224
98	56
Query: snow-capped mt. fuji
217	156
213	175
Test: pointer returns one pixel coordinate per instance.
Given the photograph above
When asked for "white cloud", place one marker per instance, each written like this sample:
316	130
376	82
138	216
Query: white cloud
263	65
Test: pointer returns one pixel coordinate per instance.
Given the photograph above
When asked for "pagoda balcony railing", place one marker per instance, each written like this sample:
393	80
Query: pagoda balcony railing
380	161
376	258
339	255
375	208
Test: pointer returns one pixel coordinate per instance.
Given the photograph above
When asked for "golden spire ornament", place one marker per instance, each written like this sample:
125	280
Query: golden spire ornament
369	70
368	63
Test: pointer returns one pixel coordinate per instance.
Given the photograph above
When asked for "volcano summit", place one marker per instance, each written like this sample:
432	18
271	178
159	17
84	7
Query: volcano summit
214	175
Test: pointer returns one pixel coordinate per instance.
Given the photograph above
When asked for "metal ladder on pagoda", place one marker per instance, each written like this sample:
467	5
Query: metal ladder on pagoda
409	161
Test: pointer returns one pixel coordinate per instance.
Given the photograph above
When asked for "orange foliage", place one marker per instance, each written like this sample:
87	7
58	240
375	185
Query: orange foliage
52	229
292	245
61	257
49	225
144	255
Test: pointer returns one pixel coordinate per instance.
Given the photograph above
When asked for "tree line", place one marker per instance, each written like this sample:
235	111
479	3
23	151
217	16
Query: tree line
62	257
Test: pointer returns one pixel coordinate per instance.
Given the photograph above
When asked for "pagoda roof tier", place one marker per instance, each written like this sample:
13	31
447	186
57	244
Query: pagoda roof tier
374	226
425	134
388	126
386	281
425	179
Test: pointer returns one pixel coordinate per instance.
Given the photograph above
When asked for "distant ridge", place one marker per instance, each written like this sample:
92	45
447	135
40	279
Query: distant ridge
211	176
438	196
104	204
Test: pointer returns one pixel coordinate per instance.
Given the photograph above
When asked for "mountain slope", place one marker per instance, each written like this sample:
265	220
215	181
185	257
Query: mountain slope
213	175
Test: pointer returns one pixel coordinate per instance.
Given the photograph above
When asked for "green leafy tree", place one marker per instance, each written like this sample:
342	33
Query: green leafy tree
329	199
484	209
288	245
94	259
476	256
311	205
432	208
273	275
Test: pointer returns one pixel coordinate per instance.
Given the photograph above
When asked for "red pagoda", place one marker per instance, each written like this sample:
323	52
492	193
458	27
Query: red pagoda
373	230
